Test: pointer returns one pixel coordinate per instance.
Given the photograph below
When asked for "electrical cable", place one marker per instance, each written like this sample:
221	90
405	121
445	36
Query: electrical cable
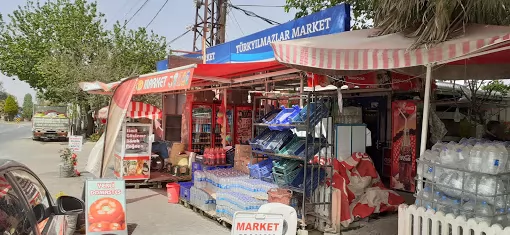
178	37
141	7
251	5
237	22
252	14
157	13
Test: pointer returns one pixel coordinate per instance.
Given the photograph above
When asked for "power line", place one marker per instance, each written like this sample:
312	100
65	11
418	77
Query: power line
135	13
248	5
157	13
178	37
237	22
252	14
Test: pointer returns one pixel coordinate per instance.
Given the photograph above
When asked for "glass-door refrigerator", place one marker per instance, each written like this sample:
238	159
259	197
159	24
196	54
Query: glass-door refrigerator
217	126
201	127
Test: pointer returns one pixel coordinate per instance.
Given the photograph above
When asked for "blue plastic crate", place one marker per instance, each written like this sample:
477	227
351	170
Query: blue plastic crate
269	116
278	140
258	142
284	117
318	111
185	190
262	169
311	185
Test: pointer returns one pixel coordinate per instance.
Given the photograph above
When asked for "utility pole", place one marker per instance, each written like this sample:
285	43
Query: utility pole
210	22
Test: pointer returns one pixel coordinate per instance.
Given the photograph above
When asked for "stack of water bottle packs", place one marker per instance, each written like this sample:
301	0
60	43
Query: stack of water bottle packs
469	178
234	190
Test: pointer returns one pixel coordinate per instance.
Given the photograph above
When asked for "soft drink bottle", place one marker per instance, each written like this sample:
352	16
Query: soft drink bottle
223	157
217	156
405	161
207	156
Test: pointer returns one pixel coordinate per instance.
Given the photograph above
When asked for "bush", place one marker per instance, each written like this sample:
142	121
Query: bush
94	137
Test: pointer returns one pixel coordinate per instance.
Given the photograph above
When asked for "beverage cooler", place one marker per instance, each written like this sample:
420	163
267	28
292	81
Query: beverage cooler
206	126
133	152
404	145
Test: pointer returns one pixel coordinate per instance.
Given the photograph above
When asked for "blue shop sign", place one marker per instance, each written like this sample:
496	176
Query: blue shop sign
257	46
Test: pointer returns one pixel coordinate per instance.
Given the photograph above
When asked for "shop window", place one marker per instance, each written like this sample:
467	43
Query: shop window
173	128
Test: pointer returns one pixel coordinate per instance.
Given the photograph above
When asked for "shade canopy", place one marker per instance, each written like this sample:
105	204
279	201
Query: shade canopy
482	52
135	110
194	75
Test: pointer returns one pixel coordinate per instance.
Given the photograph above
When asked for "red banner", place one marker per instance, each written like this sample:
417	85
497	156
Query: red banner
368	80
163	82
403	169
116	114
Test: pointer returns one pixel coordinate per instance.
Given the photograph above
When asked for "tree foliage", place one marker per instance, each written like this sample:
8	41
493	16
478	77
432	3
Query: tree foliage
28	106
3	94
11	107
484	95
428	22
54	45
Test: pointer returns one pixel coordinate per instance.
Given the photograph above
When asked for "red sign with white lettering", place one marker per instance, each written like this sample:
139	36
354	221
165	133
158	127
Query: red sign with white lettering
368	80
163	82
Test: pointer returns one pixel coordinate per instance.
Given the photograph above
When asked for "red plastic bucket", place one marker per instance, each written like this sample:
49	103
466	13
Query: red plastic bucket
172	190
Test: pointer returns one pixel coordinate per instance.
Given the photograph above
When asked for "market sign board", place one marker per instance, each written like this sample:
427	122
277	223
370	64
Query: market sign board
253	223
75	143
257	46
105	202
164	81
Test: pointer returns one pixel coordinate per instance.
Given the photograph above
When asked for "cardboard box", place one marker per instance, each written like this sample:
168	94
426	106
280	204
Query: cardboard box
242	151
175	153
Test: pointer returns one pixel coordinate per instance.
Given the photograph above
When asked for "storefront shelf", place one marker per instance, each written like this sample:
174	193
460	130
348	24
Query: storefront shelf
277	155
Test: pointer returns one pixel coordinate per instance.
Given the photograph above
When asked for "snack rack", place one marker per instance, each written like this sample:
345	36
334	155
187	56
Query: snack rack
133	152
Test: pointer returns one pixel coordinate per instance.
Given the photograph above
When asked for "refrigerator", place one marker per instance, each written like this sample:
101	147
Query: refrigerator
201	127
218	120
404	145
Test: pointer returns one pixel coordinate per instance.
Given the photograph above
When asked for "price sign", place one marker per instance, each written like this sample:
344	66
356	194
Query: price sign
75	143
252	223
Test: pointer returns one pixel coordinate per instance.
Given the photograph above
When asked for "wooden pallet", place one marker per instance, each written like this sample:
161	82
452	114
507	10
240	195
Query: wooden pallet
208	214
143	184
184	203
227	223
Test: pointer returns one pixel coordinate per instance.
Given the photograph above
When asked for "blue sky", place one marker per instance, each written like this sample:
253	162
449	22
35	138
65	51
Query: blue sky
171	22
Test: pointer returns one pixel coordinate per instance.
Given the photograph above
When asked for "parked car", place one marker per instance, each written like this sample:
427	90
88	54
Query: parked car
26	206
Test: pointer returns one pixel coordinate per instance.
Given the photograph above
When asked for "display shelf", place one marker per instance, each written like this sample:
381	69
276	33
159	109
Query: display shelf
310	129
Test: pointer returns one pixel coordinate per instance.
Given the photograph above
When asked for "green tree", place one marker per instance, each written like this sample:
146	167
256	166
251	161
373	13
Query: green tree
11	107
428	22
28	107
71	45
3	94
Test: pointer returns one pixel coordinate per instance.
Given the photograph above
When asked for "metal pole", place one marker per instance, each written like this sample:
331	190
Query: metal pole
301	89
425	121
204	32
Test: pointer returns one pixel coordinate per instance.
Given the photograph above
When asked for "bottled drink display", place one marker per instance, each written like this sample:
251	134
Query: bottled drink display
215	156
235	191
405	161
471	178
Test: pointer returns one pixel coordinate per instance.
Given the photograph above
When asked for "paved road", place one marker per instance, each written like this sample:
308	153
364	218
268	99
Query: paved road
14	131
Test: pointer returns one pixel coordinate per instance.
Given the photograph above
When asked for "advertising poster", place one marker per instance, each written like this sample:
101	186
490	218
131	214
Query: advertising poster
106	207
403	169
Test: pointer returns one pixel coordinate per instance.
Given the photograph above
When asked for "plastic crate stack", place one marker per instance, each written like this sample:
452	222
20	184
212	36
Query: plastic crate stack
285	171
261	170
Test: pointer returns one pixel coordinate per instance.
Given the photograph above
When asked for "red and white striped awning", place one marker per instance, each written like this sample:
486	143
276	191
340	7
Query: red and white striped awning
482	48
135	110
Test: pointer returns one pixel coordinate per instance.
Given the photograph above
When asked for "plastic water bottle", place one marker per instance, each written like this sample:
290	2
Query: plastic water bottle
427	198
444	205
455	208
500	217
469	209
493	160
484	213
437	199
475	158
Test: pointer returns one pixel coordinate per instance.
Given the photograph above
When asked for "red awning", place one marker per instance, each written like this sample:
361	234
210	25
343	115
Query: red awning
135	110
482	48
201	74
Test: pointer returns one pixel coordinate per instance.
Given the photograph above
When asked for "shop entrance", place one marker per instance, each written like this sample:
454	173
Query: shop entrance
375	114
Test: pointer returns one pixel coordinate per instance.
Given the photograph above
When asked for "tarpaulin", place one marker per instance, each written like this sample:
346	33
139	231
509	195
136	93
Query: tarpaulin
359	190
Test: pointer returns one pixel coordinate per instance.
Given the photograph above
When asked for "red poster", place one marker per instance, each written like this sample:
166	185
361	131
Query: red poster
403	154
404	82
164	81
368	80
